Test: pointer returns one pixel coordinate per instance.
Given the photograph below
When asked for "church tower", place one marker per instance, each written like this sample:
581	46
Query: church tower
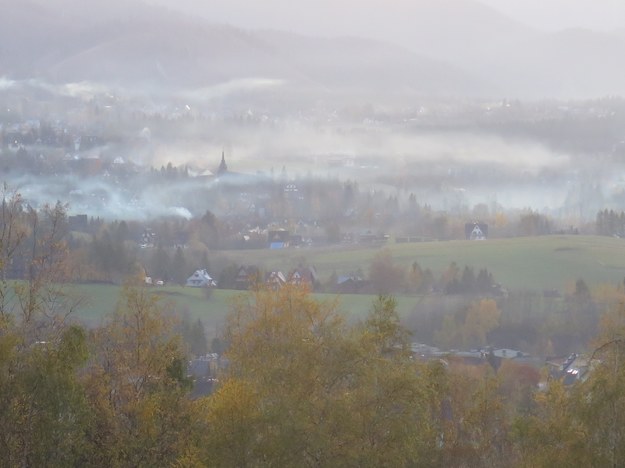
223	167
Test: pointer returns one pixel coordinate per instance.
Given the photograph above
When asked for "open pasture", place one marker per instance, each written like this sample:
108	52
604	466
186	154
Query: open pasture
522	263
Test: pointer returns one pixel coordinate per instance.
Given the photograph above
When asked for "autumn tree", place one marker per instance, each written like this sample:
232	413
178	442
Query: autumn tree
602	395
482	317
43	410
316	391
12	229
471	326
136	386
581	423
42	297
480	435
13	233
450	280
415	279
33	253
43	413
117	397
553	434
385	276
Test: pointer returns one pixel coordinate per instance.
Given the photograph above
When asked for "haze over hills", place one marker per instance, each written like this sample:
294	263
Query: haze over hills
437	28
555	15
459	33
568	63
432	48
173	50
513	58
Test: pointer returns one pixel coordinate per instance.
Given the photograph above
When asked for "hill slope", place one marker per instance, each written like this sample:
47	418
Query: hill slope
513	59
448	48
148	46
523	263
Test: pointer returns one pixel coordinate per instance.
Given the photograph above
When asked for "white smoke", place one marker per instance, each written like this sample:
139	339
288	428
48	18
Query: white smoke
6	83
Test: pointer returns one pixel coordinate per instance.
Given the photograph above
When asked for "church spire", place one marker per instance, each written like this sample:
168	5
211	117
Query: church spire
223	167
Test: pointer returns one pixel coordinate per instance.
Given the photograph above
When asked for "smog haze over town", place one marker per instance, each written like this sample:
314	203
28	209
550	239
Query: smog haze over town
460	102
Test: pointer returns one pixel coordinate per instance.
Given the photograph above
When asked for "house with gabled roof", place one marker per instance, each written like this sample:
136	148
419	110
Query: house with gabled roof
200	279
246	277
476	231
275	280
571	369
304	276
351	284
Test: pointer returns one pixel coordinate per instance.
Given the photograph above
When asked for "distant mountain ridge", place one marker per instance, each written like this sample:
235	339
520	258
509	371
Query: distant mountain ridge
463	49
510	58
178	51
436	28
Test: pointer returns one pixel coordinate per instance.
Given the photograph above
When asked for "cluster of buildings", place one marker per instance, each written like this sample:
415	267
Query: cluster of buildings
248	276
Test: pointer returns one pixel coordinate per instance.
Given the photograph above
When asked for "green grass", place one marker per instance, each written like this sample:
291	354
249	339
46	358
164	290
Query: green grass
100	300
527	263
532	263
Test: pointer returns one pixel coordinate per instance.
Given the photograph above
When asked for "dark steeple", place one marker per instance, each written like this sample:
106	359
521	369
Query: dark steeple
223	167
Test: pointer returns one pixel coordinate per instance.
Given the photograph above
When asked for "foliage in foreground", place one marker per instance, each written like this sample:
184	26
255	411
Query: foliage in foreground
303	388
318	392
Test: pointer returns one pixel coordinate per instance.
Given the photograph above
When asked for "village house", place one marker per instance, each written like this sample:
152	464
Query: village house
304	276
351	284
275	280
200	279
570	369
476	231
246	277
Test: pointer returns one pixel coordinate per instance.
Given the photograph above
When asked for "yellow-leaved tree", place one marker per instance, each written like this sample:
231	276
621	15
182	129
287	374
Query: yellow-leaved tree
304	388
482	317
136	386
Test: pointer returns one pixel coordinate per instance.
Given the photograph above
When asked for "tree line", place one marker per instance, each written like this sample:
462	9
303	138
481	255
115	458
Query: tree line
610	223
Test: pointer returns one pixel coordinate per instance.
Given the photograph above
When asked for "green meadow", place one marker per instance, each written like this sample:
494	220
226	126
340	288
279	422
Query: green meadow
519	264
524	263
100	300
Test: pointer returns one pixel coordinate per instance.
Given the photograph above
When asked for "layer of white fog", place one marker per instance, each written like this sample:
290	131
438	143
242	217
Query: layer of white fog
279	88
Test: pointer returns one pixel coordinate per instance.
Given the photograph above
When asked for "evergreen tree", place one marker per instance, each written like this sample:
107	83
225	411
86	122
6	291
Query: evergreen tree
160	266
179	269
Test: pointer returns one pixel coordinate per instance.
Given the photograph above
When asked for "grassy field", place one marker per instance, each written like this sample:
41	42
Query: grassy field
527	263
99	300
533	263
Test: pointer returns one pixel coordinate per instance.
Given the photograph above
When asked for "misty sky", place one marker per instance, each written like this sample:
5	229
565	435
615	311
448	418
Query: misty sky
558	14
314	17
